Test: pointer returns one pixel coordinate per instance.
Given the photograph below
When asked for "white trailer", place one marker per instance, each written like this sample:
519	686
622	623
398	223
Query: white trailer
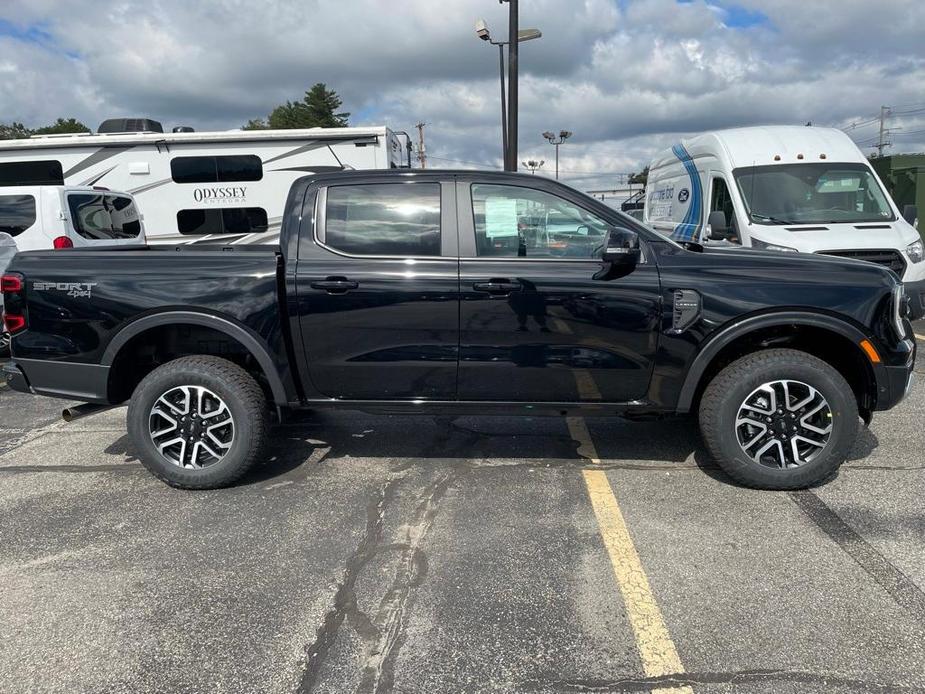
200	186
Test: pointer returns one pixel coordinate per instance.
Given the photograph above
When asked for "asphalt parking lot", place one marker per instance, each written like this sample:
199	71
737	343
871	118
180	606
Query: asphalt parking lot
423	554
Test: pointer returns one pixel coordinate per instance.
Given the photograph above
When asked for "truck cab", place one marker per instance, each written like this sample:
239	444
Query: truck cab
788	189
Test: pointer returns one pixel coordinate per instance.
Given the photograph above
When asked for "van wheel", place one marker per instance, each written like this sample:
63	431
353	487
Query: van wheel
779	419
198	422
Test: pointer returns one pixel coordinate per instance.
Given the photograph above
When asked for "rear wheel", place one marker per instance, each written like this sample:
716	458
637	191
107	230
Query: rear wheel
779	419
198	422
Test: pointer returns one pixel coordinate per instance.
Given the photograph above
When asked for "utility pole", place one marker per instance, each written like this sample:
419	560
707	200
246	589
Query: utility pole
422	150
512	50
884	132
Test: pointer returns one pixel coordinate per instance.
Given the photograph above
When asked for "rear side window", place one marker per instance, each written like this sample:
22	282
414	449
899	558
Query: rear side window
17	213
31	173
400	219
226	220
238	167
101	216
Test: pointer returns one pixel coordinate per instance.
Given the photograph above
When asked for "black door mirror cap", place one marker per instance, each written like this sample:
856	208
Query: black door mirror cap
911	213
622	247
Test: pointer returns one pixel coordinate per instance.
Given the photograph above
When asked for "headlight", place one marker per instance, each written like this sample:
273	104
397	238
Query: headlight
899	310
758	243
916	252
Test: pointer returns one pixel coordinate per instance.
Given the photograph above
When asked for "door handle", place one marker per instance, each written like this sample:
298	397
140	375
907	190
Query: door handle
497	286
335	285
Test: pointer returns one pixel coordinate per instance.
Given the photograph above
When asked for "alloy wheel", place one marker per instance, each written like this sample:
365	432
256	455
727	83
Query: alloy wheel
784	424
191	427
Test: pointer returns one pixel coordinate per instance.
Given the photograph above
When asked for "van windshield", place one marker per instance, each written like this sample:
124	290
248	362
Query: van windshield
812	193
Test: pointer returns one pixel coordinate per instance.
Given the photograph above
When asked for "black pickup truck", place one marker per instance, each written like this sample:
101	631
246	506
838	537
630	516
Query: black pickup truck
449	292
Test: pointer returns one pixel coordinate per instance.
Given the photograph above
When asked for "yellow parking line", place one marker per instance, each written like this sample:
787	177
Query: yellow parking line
656	649
919	337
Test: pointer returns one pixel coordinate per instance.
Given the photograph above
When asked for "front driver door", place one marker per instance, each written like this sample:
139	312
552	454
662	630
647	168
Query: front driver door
535	325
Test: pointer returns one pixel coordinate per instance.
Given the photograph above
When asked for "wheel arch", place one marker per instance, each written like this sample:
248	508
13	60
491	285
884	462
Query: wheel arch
177	319
778	328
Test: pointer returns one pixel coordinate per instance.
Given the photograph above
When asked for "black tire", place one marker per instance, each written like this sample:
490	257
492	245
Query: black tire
4	344
239	392
730	388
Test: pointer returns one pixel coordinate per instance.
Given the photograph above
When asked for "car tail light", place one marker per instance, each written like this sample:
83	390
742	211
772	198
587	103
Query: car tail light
10	284
13	323
63	242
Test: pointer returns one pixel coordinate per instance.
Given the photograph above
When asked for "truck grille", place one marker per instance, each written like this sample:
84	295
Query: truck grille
887	257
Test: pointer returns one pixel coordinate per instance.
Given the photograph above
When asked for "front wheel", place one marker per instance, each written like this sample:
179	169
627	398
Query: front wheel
198	422
779	419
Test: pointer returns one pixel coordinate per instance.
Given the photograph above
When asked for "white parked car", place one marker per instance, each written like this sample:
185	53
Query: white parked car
784	188
44	217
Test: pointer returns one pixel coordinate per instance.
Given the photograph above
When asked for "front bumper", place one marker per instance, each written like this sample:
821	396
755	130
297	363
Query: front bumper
894	381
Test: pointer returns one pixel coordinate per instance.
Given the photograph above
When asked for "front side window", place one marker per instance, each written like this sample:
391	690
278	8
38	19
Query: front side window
17	213
221	169
522	222
393	219
101	216
812	193
225	220
31	173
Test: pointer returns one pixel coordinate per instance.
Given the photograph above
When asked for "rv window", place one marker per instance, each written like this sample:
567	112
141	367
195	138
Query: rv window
394	219
239	167
226	220
31	173
17	213
104	216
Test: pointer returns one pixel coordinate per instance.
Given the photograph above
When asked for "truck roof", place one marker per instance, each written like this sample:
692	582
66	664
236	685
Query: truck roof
137	138
770	144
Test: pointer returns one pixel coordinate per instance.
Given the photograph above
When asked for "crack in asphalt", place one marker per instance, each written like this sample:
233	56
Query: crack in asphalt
117	467
666	682
383	633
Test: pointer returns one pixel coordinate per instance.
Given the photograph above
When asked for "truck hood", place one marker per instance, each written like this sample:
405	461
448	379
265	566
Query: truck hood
825	237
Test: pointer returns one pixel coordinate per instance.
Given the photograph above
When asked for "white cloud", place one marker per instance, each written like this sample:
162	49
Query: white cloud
625	81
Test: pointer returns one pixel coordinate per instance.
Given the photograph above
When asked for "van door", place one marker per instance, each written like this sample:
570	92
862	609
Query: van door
378	289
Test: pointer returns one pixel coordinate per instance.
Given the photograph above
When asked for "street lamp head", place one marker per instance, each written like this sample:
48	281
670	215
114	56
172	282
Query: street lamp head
549	135
565	134
481	30
528	35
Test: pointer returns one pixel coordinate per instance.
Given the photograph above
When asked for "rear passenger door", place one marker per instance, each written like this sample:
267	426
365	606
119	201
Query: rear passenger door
378	286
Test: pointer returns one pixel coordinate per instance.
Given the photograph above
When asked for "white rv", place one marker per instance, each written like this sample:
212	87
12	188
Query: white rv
784	188
189	185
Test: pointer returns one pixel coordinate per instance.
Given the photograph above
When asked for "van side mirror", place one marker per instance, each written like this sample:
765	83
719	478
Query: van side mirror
911	214
622	247
719	227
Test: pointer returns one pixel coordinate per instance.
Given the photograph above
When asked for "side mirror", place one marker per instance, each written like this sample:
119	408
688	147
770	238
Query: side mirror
719	227
622	247
911	214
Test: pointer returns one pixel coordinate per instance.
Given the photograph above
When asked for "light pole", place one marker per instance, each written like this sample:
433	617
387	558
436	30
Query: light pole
533	165
482	31
563	136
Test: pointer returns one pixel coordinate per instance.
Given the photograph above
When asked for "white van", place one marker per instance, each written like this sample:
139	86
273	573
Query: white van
784	188
46	217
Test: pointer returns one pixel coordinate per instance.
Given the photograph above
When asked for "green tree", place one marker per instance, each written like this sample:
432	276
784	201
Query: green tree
642	177
14	131
317	109
60	126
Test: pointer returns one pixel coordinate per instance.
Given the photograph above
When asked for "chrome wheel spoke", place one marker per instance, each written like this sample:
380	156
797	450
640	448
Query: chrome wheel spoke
783	424
191	427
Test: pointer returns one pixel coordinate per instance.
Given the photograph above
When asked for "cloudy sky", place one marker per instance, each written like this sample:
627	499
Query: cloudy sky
626	76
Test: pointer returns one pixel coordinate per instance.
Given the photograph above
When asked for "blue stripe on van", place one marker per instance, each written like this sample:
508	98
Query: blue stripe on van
689	228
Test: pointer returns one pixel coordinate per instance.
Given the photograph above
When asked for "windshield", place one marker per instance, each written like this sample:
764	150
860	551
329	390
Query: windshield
814	193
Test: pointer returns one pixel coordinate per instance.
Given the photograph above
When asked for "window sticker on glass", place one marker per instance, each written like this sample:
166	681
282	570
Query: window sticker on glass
500	217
